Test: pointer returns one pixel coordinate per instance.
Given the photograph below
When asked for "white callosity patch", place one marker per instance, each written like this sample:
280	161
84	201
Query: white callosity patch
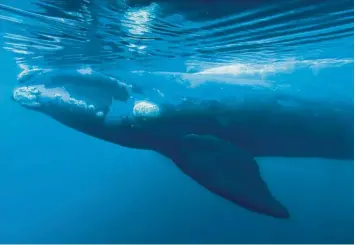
85	71
27	96
39	95
145	109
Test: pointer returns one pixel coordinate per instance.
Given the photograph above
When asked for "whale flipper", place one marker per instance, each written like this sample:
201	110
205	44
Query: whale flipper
228	171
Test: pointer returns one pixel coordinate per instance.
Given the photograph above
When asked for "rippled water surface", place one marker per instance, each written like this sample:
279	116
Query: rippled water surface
185	34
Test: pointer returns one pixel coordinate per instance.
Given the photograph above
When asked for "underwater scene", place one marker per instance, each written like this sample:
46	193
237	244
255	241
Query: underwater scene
177	121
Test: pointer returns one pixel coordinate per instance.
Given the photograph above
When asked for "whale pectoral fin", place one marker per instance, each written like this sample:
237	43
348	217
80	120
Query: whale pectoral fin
228	171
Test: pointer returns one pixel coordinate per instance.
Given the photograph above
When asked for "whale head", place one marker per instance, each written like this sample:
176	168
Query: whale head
58	100
71	97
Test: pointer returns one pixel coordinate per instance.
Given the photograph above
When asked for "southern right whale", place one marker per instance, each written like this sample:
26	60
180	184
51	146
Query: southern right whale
214	142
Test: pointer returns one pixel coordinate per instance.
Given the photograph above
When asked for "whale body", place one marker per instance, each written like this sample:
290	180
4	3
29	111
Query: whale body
213	142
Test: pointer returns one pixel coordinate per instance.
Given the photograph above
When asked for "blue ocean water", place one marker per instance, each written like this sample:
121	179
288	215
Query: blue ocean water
60	186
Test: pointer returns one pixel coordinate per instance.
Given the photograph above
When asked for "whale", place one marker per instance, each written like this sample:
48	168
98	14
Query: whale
213	142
